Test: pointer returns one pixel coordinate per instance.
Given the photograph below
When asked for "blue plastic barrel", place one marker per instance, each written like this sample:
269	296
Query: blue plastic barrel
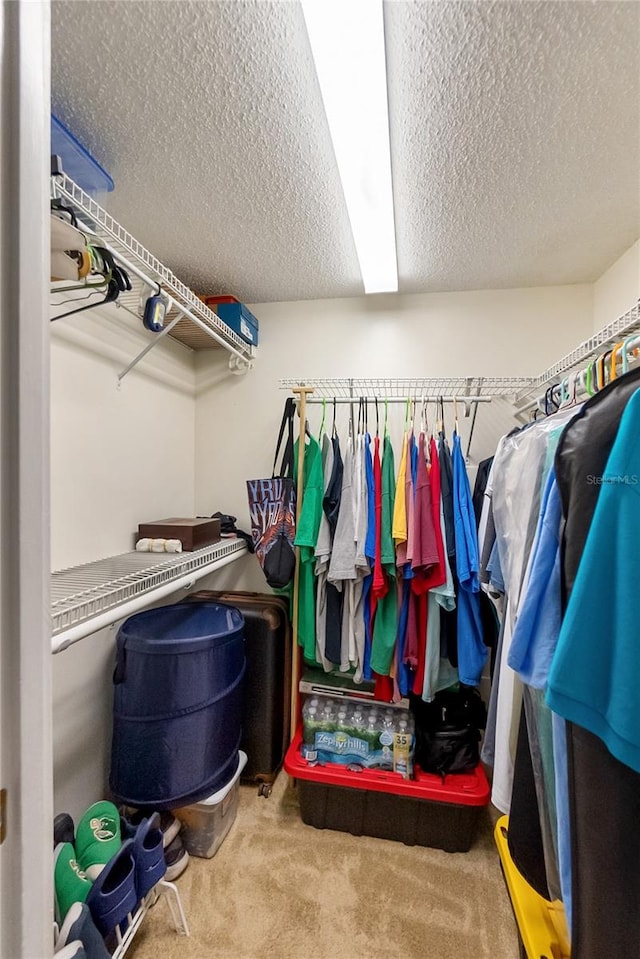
177	704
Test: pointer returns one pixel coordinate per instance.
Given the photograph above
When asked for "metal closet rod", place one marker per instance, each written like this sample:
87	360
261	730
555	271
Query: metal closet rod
353	400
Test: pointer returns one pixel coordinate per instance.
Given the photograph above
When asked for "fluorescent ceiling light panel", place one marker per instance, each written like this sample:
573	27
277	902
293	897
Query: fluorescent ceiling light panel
347	40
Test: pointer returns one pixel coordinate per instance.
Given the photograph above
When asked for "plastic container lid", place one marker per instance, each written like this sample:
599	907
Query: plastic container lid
77	162
217	797
462	789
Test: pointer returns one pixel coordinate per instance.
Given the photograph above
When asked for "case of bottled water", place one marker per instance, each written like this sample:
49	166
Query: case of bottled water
358	733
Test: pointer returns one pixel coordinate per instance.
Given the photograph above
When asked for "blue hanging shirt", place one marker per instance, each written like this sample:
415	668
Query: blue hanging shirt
537	628
472	652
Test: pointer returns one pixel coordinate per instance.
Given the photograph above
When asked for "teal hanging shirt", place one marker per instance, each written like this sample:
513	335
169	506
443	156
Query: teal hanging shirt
595	673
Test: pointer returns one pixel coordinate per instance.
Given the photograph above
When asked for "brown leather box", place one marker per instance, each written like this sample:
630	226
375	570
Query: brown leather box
192	533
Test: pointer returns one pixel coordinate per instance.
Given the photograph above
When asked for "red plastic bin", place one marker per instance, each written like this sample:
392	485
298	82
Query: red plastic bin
425	811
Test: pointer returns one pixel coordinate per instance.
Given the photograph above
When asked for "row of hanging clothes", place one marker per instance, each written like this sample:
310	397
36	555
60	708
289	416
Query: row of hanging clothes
389	585
558	538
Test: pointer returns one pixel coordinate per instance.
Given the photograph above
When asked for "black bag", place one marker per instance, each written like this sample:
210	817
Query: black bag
448	750
272	507
448	730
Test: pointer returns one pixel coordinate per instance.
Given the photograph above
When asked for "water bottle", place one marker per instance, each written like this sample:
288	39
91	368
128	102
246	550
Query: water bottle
358	721
387	733
388	721
342	724
328	717
310	724
403	749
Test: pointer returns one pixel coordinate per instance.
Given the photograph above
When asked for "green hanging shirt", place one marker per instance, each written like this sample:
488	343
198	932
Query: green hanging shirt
306	538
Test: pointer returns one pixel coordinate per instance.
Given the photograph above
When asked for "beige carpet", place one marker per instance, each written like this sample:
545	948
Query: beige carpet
277	888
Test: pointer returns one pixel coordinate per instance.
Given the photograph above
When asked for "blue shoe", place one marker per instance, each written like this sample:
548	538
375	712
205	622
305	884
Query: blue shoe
79	926
74	950
148	852
113	894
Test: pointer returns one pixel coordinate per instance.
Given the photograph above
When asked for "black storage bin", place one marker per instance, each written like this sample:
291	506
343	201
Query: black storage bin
177	704
425	811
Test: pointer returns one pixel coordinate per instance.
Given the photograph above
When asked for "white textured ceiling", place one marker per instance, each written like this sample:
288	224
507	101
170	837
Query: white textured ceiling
515	130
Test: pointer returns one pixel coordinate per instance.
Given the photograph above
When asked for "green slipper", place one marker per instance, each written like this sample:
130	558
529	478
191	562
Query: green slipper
98	837
70	882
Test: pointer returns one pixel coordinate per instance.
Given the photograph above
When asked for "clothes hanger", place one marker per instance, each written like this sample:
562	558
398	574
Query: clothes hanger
100	284
625	351
440	423
455	415
386	417
550	403
324	413
59	206
600	369
334	431
377	418
112	294
613	372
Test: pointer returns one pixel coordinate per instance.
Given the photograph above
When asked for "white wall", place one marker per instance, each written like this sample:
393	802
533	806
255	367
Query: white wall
118	457
618	288
491	333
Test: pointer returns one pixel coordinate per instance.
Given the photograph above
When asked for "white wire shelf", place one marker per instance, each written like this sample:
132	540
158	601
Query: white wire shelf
619	329
413	387
87	598
197	326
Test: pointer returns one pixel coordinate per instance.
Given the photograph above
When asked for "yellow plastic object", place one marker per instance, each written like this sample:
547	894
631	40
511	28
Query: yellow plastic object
542	924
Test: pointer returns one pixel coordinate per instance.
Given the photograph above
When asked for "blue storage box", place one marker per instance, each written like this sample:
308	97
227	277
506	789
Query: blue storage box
240	319
77	162
177	704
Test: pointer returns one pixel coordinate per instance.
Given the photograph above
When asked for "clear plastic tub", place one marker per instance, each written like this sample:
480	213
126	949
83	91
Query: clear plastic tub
205	824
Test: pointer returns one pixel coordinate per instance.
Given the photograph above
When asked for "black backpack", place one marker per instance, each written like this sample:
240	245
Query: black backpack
448	730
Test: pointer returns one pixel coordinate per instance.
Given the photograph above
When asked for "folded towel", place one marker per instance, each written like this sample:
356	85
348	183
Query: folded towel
159	546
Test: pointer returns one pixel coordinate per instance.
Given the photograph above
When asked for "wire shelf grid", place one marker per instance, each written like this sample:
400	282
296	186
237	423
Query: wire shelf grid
618	329
81	593
413	387
97	221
